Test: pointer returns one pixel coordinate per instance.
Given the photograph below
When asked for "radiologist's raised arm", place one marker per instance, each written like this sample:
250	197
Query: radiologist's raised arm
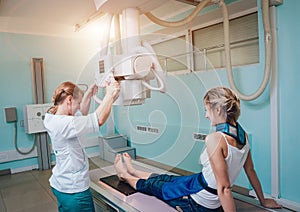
86	100
103	111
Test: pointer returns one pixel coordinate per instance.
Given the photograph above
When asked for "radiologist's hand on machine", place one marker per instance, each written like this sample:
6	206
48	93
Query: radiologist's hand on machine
92	90
113	89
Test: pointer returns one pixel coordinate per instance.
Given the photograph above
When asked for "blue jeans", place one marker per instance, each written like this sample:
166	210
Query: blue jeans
74	202
154	186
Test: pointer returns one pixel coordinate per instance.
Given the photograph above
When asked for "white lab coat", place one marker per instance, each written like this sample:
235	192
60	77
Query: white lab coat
70	174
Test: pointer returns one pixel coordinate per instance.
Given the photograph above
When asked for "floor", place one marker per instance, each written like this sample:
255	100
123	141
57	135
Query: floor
30	192
27	191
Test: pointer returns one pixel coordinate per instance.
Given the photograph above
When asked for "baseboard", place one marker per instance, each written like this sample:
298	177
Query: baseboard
23	169
13	155
240	190
5	172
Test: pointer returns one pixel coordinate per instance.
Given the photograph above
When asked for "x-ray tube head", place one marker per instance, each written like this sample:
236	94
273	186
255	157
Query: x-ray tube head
135	67
134	72
134	93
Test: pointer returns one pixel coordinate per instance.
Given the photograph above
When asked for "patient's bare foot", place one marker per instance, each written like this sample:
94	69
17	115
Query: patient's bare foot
119	167
127	160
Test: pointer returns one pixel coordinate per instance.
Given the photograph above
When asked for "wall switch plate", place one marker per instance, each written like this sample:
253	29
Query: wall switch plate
11	114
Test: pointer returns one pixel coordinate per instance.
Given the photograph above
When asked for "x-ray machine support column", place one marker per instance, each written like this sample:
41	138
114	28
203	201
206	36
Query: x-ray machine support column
41	139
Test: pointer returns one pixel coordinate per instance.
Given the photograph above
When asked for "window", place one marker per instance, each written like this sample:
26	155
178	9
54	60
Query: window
243	42
172	54
208	44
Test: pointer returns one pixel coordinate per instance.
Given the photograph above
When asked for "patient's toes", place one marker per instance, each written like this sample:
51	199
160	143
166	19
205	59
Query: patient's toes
127	160
119	167
126	155
117	159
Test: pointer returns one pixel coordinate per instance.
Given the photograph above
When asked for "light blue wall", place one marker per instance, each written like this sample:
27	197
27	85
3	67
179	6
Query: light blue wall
64	59
178	113
174	144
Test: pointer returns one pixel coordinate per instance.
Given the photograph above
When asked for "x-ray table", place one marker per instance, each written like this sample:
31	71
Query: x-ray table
123	202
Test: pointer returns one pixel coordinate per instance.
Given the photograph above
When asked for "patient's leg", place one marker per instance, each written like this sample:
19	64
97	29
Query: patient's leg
123	173
131	170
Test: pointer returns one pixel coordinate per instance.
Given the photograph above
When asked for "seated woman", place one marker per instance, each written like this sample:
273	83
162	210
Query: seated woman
227	151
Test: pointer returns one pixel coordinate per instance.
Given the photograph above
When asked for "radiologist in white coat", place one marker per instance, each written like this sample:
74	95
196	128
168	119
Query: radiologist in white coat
67	121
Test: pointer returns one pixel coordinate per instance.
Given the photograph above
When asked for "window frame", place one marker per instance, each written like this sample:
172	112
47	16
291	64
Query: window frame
188	33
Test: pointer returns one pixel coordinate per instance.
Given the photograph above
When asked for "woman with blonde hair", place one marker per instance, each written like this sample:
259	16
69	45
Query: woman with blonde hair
227	152
67	121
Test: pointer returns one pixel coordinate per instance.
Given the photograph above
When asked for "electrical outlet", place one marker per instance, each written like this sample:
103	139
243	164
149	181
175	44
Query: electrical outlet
141	128
199	136
153	130
147	129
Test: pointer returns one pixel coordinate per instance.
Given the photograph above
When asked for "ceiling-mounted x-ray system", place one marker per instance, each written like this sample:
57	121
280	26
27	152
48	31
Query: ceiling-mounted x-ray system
135	63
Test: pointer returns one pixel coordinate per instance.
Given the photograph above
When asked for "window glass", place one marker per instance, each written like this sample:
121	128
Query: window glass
172	54
243	41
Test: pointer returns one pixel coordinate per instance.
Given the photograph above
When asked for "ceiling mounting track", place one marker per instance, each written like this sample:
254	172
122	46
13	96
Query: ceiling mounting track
192	2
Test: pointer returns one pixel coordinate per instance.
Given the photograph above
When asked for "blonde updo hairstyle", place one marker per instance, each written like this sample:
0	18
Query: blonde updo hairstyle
64	90
226	100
